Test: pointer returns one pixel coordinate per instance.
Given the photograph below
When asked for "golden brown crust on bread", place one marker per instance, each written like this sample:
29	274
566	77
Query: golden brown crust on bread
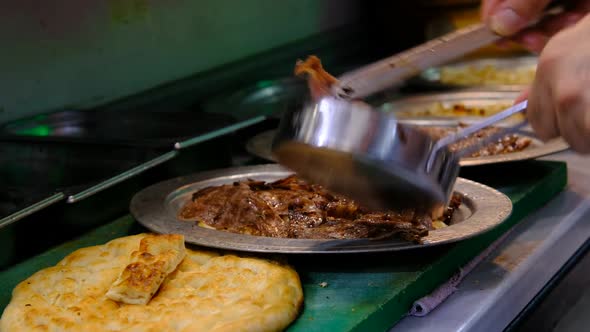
157	257
207	292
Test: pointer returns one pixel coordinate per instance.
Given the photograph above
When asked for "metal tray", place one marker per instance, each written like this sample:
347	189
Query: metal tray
34	175
432	76
70	146
147	128
537	148
269	98
64	190
415	106
411	109
157	206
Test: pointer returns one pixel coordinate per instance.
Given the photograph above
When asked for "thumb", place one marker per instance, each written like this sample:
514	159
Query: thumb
511	16
524	95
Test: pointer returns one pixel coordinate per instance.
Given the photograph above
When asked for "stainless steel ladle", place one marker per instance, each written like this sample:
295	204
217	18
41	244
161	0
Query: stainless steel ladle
369	156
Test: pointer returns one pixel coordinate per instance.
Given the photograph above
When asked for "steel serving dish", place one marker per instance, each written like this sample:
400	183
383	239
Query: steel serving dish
157	206
412	110
431	105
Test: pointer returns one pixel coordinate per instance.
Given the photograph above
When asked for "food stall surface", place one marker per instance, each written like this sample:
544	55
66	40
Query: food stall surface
496	291
361	292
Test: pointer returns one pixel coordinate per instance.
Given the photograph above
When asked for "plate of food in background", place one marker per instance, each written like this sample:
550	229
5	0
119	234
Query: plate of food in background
501	73
442	114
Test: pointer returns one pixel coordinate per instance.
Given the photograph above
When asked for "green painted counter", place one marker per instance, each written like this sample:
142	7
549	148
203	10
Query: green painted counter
368	292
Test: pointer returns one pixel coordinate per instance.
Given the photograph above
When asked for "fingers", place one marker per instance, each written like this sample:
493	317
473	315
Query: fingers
510	16
572	127
540	111
541	103
533	40
571	105
488	7
536	38
559	101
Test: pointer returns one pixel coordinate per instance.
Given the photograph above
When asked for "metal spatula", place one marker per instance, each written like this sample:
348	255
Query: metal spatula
370	157
387	72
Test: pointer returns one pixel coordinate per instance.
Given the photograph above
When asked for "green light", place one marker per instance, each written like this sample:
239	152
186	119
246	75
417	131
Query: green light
264	84
35	131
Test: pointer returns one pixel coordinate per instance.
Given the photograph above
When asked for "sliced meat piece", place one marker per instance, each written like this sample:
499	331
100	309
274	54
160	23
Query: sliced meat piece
319	81
209	204
506	144
235	208
342	209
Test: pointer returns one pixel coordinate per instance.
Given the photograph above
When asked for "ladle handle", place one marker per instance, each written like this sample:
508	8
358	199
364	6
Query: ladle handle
494	119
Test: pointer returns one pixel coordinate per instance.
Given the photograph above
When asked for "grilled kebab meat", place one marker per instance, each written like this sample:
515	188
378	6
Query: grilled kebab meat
506	144
292	208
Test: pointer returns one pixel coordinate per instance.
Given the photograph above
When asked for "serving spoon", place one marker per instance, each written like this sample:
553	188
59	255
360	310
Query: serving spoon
372	158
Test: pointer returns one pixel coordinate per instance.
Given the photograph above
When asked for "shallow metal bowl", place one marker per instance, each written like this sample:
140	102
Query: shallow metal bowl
157	207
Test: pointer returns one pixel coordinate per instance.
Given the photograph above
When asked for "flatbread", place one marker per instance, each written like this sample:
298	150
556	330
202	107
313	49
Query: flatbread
207	292
157	257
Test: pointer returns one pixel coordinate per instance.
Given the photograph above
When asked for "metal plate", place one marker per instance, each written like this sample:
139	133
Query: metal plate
260	146
537	148
156	208
35	175
413	109
416	105
432	76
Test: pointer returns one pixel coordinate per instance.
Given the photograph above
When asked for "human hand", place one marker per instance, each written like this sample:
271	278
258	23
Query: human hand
559	99
510	18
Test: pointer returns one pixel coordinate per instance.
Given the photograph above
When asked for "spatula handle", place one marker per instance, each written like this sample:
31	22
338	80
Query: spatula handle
395	69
